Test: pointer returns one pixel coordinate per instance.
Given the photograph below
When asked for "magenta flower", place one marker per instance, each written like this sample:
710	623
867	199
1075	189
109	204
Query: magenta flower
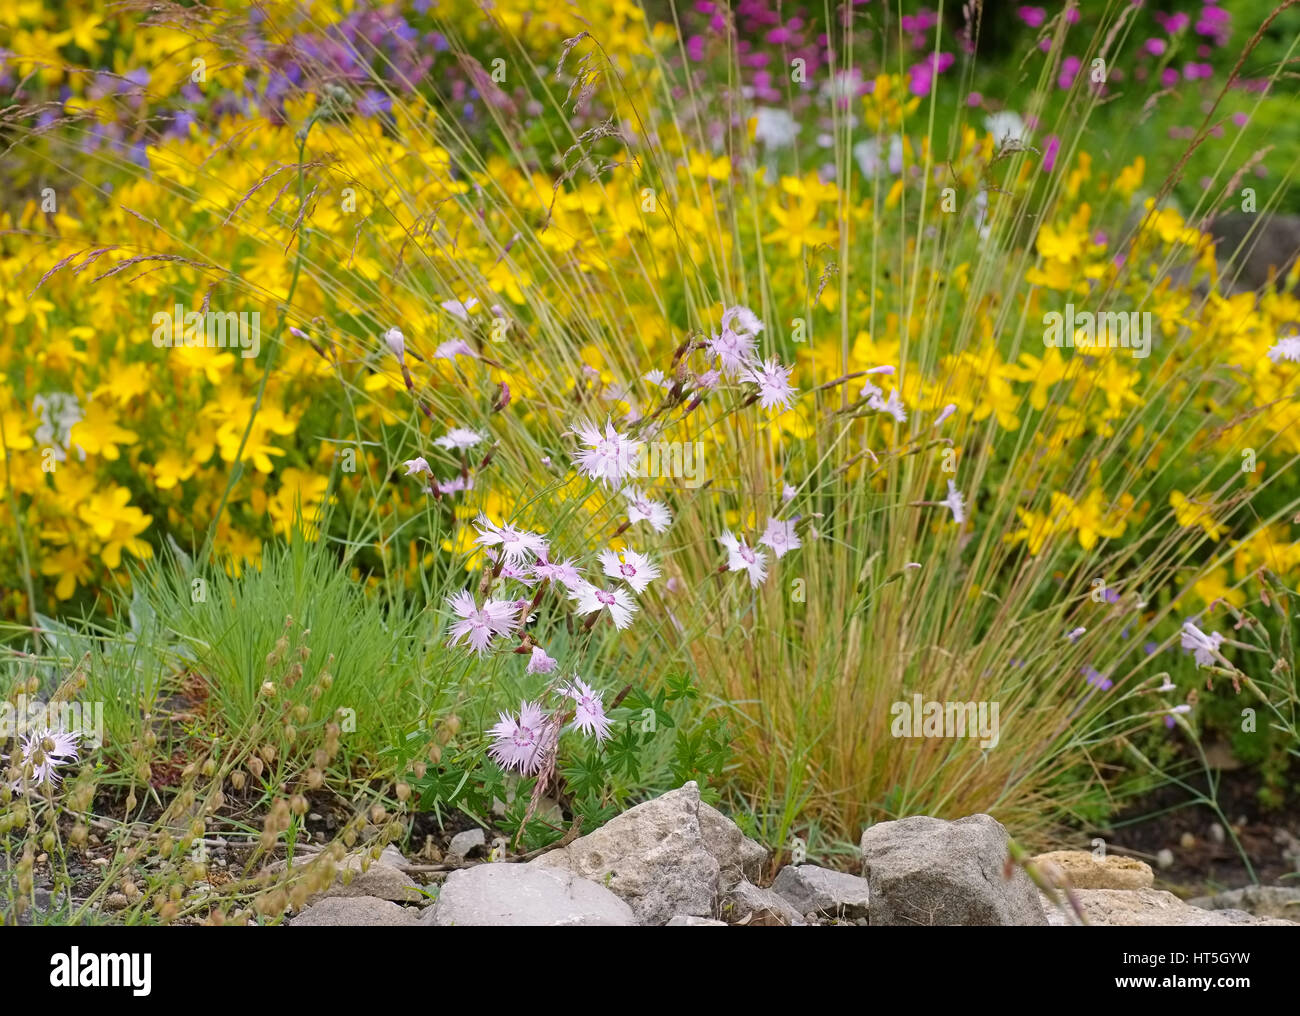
1032	16
1155	47
637	570
609	457
518	743
1051	147
741	557
1069	71
589	715
480	627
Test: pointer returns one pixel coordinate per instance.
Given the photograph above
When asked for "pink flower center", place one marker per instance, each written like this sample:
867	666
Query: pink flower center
627	570
748	555
524	737
606	598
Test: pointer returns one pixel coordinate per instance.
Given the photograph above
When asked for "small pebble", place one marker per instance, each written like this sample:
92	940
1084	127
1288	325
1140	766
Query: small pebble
116	901
1165	859
1187	842
1217	834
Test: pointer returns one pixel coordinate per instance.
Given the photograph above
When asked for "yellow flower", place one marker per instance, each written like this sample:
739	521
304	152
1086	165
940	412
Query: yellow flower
99	434
1191	513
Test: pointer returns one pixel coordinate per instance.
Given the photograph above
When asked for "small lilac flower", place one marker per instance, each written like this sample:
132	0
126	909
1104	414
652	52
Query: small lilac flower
592	599
396	342
1077	634
637	570
743	558
458	309
641	509
459	438
1287	348
773	382
589	715
479	626
516	544
45	750
540	663
780	537
955	503
610	457
453	348
1097	679
1204	646
562	572
947	411
518	743
416	466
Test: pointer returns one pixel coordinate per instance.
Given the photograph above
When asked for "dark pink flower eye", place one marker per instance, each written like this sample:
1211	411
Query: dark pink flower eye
606	598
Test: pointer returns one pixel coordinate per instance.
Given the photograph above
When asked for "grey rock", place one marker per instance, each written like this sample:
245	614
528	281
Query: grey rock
1149	908
463	844
689	921
738	856
746	903
513	895
930	871
653	856
1249	247
1260	900
823	891
353	912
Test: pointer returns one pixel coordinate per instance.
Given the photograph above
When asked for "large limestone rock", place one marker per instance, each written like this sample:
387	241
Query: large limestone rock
1148	908
929	871
1088	872
673	855
513	895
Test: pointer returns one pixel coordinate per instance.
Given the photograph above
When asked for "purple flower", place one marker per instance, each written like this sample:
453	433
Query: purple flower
1096	678
1032	16
1050	149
